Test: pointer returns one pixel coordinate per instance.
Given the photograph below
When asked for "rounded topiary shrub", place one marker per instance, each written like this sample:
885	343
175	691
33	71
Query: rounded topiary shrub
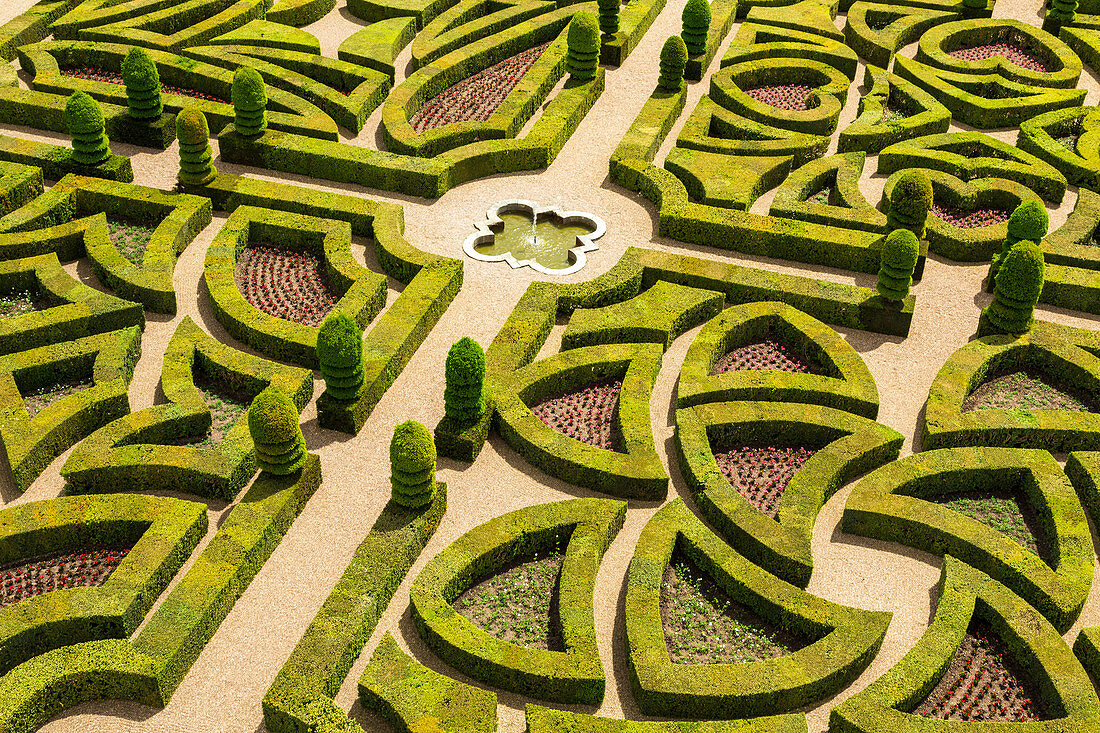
609	17
1019	283
273	425
584	46
1028	221
196	155
910	202
84	118
142	81
696	20
898	259
249	102
412	465
340	353
464	395
674	58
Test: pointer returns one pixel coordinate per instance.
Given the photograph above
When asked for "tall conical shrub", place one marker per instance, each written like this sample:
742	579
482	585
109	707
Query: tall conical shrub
196	155
1062	12
249	102
464	395
84	118
910	202
273	424
412	465
898	259
1028	221
674	58
696	19
142	81
583	42
609	17
340	353
1019	283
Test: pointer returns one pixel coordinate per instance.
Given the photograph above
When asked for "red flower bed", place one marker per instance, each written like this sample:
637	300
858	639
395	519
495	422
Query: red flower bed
983	683
54	572
791	97
970	219
111	77
589	415
761	474
479	96
767	355
1012	53
284	283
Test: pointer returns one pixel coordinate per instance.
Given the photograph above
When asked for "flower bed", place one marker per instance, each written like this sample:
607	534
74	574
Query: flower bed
983	683
284	283
40	399
1012	53
761	473
112	77
476	98
130	236
822	196
53	572
1023	390
16	304
791	97
589	415
970	219
1001	511
763	355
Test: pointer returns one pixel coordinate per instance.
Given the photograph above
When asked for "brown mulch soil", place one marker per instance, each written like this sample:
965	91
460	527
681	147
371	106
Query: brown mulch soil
40	399
1000	510
983	683
130	236
285	283
1025	390
764	355
761	473
590	415
970	219
112	77
39	575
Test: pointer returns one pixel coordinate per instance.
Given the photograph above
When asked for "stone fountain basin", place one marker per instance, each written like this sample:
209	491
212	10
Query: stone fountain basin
495	224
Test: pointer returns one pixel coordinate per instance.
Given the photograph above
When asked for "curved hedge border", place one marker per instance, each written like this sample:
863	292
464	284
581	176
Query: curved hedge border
715	129
136	451
840	173
889	504
846	639
57	160
1045	347
161	533
302	693
169	28
299	12
878	46
270	33
1065	687
1081	165
19	185
470	21
726	181
572	676
378	45
549	720
362	292
871	133
756	41
830	92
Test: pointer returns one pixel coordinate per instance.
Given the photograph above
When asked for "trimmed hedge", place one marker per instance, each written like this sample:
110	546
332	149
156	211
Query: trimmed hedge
464	394
142	82
277	436
727	88
269	33
19	185
715	129
84	120
846	205
1040	136
249	102
762	39
872	131
196	155
899	257
550	720
1018	284
412	465
56	161
340	355
378	45
674	56
878	44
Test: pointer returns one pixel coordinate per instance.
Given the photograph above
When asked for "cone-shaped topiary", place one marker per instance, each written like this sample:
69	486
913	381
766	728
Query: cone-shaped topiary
196	155
142	81
84	118
674	56
273	424
464	396
249	102
340	352
1028	221
910	203
898	260
1062	12
1019	282
412	465
584	46
609	17
696	20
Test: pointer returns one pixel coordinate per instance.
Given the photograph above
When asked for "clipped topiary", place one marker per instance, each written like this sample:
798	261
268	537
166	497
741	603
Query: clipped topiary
412	465
249	102
910	203
898	259
1029	221
464	395
1019	283
584	46
84	118
142	81
609	17
674	56
340	353
196	155
273	424
1062	12
696	19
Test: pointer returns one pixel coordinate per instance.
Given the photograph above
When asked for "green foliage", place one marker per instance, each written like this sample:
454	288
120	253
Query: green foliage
412	465
142	81
464	396
1063	12
84	118
910	203
340	353
584	46
1029	221
674	55
900	251
249	101
1019	282
696	18
609	17
196	155
273	425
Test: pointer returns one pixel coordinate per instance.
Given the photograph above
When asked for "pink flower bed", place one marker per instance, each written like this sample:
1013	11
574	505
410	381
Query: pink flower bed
475	99
285	284
45	574
791	97
588	415
111	77
761	474
767	354
970	219
1015	55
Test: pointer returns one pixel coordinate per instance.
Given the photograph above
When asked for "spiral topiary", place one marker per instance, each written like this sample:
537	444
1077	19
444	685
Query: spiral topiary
583	42
142	81
609	17
696	20
340	352
196	155
464	395
1028	221
249	102
910	203
273	425
674	58
1019	283
84	118
412	465
898	259
1062	12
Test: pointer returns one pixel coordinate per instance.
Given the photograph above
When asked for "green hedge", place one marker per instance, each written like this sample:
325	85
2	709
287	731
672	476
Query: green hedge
177	26
728	85
1041	136
270	33
549	720
722	16
469	22
32	25
299	12
845	206
19	185
378	45
871	131
878	45
57	160
714	129
761	39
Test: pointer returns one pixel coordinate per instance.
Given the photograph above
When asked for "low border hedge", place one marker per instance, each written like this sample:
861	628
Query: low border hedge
871	132
1038	136
846	205
549	720
728	85
19	185
879	45
57	160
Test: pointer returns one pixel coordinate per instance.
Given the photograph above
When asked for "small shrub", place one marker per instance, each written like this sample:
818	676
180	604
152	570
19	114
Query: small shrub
249	102
898	260
1062	12
196	155
674	57
273	425
464	396
142	81
584	46
412	465
696	20
340	353
609	17
84	118
1029	221
1019	282
910	203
